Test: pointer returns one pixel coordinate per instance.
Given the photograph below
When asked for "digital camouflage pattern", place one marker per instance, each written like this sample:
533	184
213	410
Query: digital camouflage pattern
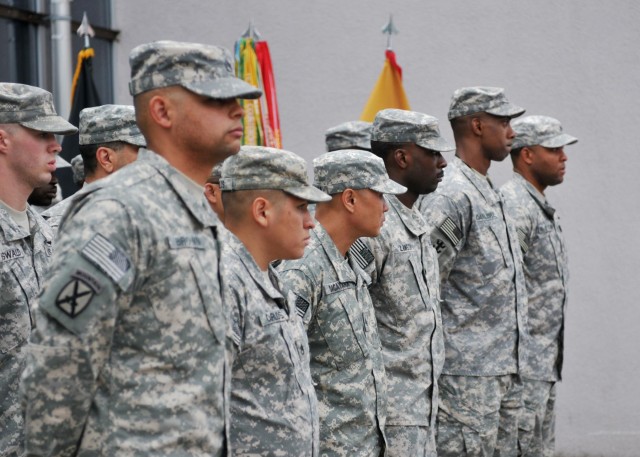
405	292
346	361
108	123
401	126
483	290
204	69
273	404
537	419
478	416
260	167
540	130
31	107
336	171
491	100
546	272
483	307
349	135
53	215
129	357
77	167
24	258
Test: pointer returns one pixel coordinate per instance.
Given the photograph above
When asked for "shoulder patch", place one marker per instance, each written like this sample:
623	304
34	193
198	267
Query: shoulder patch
74	297
302	306
522	239
449	229
107	257
361	253
11	253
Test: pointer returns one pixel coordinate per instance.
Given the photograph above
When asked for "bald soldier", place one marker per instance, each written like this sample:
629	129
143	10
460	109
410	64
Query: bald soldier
405	288
109	140
273	405
539	161
482	283
28	151
331	296
129	357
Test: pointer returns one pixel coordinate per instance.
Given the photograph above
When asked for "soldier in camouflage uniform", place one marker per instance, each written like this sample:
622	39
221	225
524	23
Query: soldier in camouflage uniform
109	140
539	161
273	404
28	148
129	354
405	288
482	283
349	135
331	296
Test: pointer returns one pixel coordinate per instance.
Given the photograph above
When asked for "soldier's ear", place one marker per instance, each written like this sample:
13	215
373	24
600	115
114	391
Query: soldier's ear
348	199
260	211
402	158
160	111
526	155
104	156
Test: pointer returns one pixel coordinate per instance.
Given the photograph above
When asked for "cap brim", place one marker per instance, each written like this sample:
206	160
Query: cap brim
136	140
436	144
51	124
508	110
224	88
559	141
389	186
308	193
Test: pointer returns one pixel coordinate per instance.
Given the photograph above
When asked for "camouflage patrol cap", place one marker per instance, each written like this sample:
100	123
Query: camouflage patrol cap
540	130
216	174
31	107
401	126
349	135
336	171
491	100
203	69
259	167
77	167
107	123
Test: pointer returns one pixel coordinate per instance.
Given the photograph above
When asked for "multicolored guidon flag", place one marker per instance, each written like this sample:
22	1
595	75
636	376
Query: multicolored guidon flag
261	119
388	91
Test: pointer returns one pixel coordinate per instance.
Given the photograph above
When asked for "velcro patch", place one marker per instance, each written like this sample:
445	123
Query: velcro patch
11	253
74	297
107	257
449	229
361	253
273	317
302	306
522	239
338	286
186	241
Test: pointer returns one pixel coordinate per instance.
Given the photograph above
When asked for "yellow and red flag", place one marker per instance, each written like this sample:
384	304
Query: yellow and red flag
261	118
388	91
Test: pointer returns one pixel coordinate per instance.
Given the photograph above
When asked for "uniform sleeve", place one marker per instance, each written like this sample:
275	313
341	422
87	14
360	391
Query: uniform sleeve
305	289
449	223
90	279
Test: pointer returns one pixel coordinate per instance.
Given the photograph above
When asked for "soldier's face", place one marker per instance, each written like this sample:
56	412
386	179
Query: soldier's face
210	127
33	155
291	224
548	165
497	136
370	208
426	169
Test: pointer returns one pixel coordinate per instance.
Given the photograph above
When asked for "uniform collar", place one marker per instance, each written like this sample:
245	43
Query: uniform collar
540	199
13	232
338	261
480	182
410	217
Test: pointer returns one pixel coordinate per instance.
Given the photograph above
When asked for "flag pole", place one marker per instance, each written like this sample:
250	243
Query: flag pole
85	30
390	29
61	55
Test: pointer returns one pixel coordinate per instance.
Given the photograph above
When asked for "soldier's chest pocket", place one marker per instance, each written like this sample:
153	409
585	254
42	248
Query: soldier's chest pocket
342	325
186	309
491	247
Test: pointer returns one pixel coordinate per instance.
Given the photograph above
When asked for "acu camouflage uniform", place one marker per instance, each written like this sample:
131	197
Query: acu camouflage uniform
24	258
405	292
130	344
273	404
346	360
547	274
483	300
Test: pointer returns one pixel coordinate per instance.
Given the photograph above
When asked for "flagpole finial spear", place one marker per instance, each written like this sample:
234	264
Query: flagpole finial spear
389	29
85	30
252	32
